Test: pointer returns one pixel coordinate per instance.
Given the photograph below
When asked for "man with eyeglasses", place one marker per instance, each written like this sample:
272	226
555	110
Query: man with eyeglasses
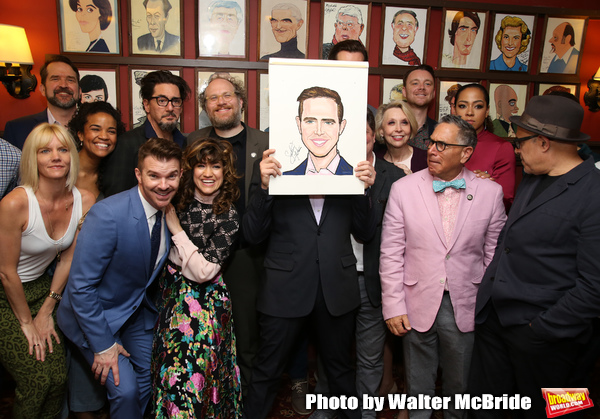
163	94
439	232
286	20
225	19
223	99
541	293
348	25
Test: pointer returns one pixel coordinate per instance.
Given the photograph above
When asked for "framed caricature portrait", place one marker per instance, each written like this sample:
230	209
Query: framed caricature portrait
563	39
391	90
446	93
546	88
317	125
99	83
283	31
138	114
89	26
506	100
156	27
511	42
343	21
463	36
222	28
202	77
404	30
263	100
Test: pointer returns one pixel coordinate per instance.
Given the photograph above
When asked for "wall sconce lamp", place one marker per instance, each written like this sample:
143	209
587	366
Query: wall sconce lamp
16	62
592	97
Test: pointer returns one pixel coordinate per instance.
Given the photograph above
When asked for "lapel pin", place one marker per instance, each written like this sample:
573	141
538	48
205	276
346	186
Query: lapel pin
253	155
470	197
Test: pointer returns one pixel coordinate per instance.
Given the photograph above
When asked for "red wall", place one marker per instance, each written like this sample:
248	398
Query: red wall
39	18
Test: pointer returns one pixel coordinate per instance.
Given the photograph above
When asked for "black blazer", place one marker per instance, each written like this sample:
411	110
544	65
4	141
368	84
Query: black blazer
301	253
546	268
17	130
146	42
387	173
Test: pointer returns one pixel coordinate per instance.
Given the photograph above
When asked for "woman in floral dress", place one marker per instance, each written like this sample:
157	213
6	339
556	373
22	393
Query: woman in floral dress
194	366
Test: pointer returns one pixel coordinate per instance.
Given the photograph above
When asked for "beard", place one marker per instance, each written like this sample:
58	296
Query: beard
71	103
227	123
168	126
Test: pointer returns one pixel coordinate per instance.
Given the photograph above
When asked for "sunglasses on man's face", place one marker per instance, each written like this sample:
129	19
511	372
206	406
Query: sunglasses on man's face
516	142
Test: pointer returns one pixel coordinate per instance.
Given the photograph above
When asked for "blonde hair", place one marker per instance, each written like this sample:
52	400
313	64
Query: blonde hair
395	104
40	137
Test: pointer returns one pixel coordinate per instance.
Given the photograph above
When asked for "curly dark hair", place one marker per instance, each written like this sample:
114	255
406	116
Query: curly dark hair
209	150
77	123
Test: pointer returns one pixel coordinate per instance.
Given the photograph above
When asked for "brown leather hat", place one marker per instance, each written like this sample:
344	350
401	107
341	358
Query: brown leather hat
555	117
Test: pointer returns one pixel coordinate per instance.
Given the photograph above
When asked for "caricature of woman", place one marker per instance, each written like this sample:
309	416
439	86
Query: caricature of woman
93	16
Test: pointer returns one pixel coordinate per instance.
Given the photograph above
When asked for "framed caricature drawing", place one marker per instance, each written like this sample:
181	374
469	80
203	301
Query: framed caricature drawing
563	39
283	29
547	88
222	28
404	30
89	26
317	125
138	114
506	100
511	42
156	27
391	90
263	100
463	36
343	21
99	83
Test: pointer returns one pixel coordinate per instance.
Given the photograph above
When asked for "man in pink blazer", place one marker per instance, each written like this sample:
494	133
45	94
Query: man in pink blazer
440	229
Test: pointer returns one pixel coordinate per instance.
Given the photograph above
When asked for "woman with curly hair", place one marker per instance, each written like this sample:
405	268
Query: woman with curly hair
194	367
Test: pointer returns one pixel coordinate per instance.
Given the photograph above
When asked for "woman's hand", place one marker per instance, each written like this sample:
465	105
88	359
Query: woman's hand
44	323
36	343
172	221
404	167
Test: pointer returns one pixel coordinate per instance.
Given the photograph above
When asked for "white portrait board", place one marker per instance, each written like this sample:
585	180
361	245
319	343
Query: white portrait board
288	78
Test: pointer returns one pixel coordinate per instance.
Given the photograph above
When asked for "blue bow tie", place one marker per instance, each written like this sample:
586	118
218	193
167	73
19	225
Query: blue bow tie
440	186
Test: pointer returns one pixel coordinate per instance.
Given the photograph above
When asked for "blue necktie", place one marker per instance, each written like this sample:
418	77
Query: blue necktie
155	240
440	186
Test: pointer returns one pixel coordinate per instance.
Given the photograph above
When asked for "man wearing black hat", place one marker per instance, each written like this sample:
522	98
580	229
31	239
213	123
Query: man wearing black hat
541	291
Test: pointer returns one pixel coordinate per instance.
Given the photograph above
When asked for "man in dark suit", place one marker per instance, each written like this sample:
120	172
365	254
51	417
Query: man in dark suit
223	99
107	310
163	94
320	122
310	277
60	87
158	40
541	292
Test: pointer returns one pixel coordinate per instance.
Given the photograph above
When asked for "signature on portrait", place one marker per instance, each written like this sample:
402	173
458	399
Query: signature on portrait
293	152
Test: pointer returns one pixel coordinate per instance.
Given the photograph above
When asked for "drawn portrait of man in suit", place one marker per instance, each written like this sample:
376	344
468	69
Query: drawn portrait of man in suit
563	46
221	28
158	40
320	122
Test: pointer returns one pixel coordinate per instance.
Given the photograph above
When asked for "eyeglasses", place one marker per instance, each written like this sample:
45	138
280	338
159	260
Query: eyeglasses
516	142
227	97
230	19
441	146
163	101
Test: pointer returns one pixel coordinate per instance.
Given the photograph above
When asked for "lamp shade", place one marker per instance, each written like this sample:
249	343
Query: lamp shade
597	75
14	47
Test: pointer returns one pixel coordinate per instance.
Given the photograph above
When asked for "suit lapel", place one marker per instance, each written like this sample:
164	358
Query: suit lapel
464	206
431	204
141	227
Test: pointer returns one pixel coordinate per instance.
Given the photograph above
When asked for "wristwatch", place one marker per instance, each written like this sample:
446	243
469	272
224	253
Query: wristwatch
55	295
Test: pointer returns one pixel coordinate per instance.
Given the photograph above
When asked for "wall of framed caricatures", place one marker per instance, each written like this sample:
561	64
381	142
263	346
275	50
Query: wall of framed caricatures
516	46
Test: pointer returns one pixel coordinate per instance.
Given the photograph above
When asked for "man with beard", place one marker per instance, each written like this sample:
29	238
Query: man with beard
223	100
419	90
60	87
162	95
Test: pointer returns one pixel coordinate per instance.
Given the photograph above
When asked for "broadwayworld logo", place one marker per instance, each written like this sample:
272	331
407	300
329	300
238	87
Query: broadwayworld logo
560	401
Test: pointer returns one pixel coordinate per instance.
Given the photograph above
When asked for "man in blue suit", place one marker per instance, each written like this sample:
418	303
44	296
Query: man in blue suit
107	308
60	87
320	122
